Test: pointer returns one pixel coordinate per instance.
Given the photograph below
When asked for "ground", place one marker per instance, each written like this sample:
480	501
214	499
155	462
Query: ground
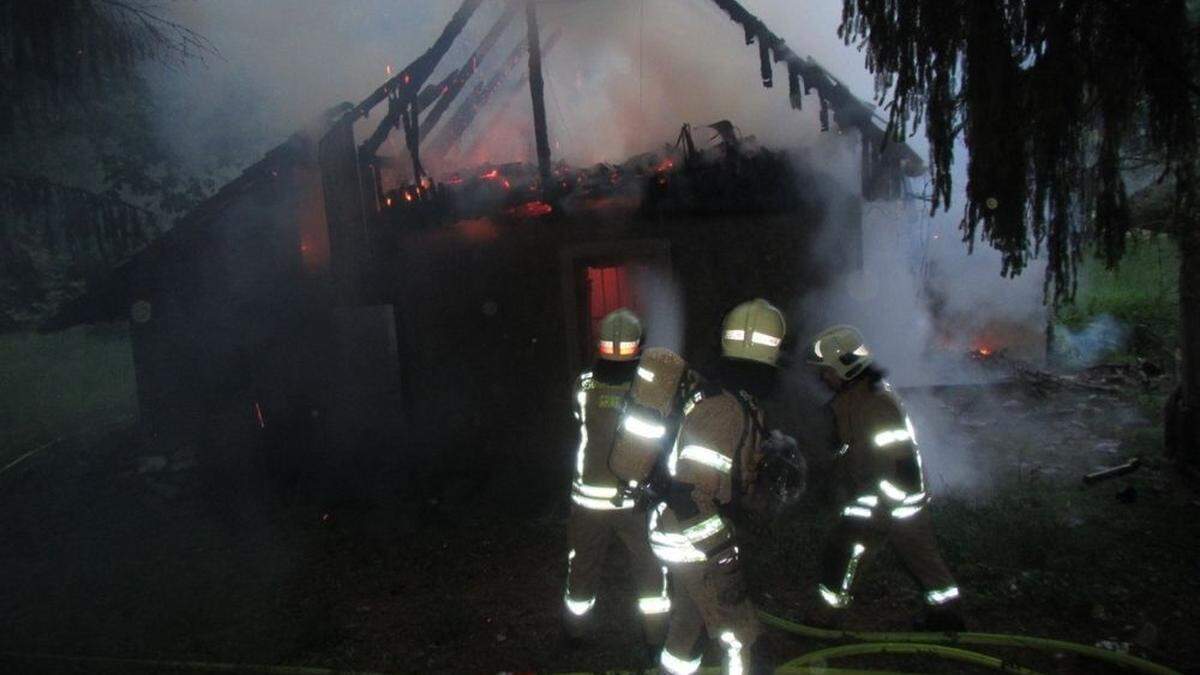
123	550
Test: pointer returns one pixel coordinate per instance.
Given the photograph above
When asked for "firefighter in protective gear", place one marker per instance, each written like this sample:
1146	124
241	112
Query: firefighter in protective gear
602	508
883	493
712	469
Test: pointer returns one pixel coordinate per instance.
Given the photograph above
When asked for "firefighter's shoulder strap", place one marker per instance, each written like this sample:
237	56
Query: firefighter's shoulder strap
753	434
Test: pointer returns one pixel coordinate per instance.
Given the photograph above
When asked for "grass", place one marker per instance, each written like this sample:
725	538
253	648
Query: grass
56	384
1142	293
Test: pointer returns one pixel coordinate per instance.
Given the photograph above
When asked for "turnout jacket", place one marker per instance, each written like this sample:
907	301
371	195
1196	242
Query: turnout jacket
712	468
879	457
598	405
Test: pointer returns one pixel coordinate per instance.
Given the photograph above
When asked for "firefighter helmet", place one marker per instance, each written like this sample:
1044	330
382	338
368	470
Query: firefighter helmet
620	336
841	348
753	331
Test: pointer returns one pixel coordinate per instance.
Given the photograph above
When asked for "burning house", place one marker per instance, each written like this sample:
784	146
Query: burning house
452	309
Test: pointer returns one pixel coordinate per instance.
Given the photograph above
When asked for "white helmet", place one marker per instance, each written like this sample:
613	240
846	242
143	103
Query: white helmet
842	349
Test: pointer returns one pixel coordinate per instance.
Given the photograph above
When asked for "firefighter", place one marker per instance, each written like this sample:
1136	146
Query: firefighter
883	498
713	472
603	507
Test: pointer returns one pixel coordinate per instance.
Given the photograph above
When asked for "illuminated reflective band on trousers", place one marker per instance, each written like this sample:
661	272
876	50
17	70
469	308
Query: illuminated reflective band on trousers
656	604
678	666
942	596
733	653
841	598
576	607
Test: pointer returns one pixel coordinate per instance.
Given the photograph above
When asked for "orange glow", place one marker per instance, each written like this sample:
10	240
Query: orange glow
666	165
388	201
491	175
408	196
478	230
532	209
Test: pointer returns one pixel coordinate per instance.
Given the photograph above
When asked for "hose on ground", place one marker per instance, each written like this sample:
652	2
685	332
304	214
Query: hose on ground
919	648
989	639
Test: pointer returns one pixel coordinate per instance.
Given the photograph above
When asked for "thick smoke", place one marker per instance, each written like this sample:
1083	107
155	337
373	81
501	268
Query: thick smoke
623	77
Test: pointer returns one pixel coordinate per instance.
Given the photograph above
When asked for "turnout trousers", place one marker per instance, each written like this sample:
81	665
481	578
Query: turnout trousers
590	532
854	540
710	597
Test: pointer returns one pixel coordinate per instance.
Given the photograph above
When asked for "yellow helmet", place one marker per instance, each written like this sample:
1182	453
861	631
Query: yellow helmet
620	336
753	331
841	348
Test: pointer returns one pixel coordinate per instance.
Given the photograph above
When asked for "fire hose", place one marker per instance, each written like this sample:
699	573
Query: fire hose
888	642
819	657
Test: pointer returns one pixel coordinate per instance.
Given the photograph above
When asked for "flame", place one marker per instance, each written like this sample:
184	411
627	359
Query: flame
491	175
388	201
532	209
666	165
408	196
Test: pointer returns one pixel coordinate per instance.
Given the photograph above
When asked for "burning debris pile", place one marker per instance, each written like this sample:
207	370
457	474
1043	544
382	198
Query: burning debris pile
736	175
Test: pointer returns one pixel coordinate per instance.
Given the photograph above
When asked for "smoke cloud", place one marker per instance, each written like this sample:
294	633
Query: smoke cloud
623	77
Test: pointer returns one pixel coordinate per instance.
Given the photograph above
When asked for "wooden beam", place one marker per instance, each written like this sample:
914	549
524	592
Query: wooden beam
536	87
463	74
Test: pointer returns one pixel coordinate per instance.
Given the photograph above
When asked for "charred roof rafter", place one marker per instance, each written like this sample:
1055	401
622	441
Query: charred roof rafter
885	154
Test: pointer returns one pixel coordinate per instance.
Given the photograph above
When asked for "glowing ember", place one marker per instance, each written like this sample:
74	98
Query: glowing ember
666	165
532	209
491	175
388	201
408	196
985	351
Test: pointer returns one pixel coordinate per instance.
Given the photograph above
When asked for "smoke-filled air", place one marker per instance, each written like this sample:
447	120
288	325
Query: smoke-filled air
359	336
